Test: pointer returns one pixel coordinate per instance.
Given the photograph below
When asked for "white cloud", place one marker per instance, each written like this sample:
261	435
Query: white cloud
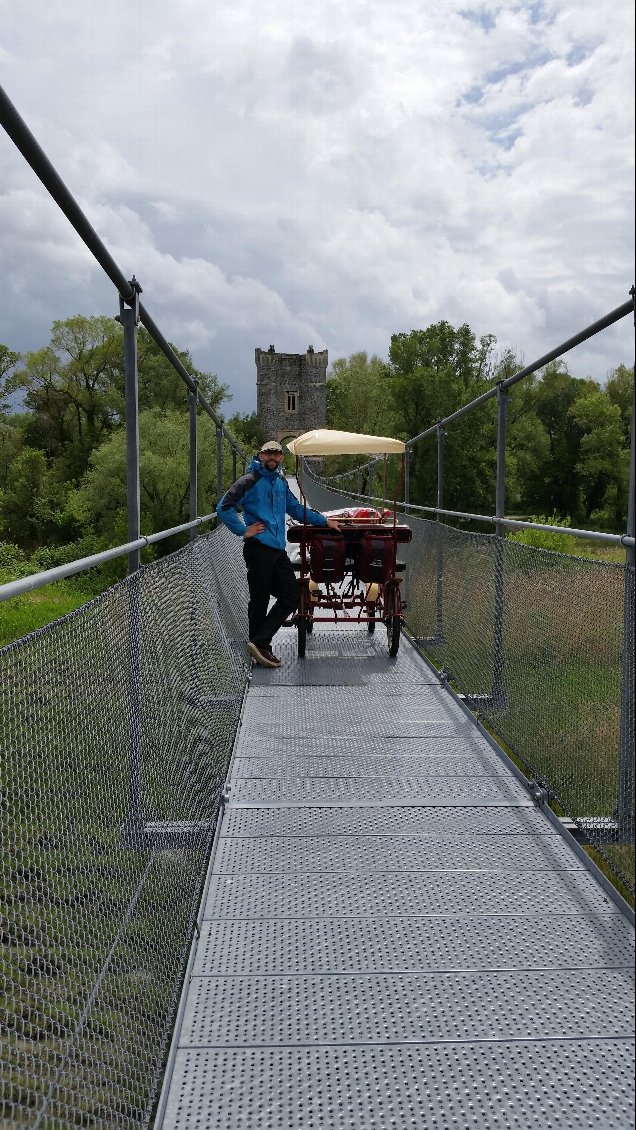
327	173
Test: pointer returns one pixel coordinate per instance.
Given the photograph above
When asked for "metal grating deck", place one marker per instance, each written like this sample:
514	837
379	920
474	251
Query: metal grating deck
392	935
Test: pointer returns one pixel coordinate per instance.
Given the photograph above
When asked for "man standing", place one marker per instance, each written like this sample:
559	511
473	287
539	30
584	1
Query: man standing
266	498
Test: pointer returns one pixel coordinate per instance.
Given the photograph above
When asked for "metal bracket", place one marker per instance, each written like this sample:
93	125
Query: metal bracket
540	794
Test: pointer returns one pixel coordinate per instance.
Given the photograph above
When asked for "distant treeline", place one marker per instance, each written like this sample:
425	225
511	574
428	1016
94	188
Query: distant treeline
62	455
567	437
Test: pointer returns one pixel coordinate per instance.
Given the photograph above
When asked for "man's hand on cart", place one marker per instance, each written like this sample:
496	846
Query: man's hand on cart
333	525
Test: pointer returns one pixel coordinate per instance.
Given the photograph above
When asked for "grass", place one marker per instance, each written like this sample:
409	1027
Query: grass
23	614
562	638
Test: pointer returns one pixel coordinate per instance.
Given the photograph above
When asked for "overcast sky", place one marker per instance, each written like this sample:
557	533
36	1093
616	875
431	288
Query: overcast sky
276	172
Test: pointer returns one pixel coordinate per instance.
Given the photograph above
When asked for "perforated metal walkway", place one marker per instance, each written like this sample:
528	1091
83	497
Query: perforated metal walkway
392	934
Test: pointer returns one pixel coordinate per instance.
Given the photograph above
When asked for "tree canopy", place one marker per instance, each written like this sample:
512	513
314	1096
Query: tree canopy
72	392
567	437
62	453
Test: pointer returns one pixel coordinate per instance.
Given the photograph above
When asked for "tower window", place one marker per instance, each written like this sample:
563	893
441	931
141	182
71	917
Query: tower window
291	401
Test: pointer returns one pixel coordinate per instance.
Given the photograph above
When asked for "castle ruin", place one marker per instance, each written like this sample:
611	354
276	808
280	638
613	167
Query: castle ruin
291	392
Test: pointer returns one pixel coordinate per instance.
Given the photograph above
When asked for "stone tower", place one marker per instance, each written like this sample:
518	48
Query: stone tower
291	392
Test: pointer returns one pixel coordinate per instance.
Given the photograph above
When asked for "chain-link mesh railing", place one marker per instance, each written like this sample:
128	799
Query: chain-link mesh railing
117	726
551	688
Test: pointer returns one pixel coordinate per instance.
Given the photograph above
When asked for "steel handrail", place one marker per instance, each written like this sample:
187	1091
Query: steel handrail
513	523
59	572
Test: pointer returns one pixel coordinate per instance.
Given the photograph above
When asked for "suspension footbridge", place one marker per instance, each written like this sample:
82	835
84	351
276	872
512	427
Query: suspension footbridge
353	892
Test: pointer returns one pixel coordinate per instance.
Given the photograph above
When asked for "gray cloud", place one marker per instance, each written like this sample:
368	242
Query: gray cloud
330	174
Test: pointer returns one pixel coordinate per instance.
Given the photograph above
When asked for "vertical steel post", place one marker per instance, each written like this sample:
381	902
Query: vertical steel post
234	465
193	398
624	812
439	541
219	462
129	318
370	483
133	831
407	477
498	688
359	482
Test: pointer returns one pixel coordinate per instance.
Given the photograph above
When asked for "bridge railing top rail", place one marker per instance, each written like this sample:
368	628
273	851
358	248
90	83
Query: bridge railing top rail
60	572
511	523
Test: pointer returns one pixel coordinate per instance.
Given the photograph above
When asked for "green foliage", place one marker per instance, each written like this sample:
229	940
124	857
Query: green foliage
160	386
247	430
164	476
74	388
619	388
63	467
357	401
567	438
599	466
8	360
11	442
74	398
433	372
544	539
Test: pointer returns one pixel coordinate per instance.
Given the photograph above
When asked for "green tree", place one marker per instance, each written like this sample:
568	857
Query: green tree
555	486
247	430
75	388
526	437
22	497
432	373
72	389
11	443
620	390
36	507
8	360
357	401
164	475
603	459
161	387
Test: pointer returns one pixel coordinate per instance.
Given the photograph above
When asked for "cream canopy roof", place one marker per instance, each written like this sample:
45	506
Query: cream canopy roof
323	441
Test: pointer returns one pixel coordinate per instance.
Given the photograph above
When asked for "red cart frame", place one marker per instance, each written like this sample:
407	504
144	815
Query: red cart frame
352	575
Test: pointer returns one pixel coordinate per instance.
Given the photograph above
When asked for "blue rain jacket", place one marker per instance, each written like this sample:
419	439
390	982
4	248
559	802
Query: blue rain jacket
265	497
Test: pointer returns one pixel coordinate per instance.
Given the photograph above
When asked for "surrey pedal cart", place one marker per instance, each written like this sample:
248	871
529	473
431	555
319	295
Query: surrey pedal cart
352	575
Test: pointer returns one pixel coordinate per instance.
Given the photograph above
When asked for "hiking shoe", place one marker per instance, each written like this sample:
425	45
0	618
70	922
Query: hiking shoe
263	656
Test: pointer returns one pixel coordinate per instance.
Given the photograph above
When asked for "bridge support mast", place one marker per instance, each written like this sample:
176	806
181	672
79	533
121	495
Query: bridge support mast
129	318
624	812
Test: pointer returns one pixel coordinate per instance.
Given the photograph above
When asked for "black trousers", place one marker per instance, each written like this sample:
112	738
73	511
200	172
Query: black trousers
269	573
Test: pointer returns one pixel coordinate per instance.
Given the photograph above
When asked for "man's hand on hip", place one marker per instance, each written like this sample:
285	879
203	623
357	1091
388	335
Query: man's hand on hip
255	528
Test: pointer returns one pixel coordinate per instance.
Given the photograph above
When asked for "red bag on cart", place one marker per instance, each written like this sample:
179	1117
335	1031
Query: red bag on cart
377	557
327	558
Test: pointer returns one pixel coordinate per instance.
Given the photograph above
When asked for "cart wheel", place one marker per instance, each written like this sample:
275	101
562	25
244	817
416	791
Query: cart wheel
393	621
371	623
302	636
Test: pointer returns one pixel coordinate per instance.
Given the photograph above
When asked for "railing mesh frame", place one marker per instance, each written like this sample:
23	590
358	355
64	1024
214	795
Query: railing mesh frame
111	792
555	704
